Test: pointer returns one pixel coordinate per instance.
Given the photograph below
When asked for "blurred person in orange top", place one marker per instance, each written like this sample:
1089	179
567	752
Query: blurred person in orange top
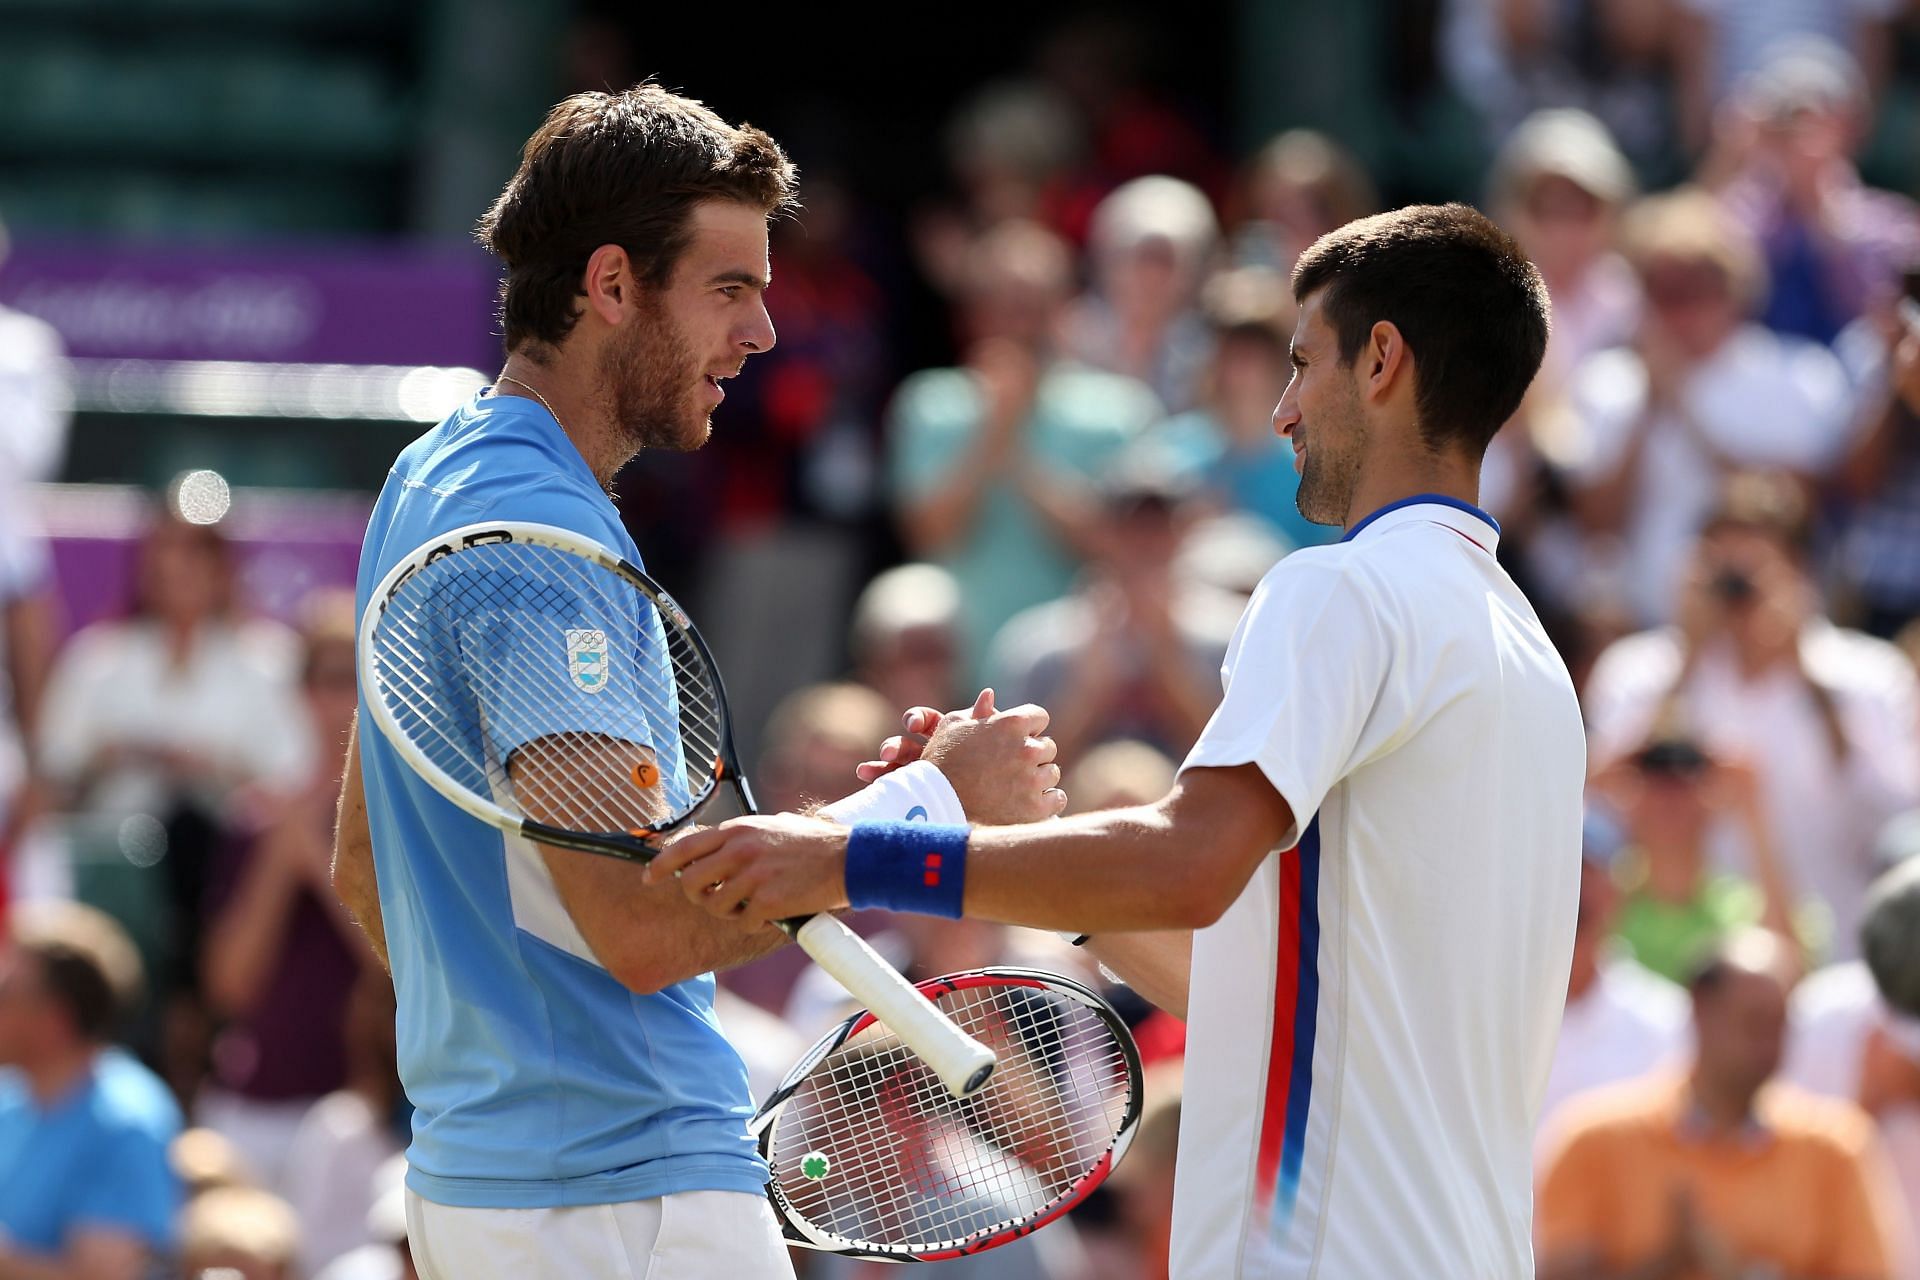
1718	1172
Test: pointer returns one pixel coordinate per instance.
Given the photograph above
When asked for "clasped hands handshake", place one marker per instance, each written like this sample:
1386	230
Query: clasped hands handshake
760	869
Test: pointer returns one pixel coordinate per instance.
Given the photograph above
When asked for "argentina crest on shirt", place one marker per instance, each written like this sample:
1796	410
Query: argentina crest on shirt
587	659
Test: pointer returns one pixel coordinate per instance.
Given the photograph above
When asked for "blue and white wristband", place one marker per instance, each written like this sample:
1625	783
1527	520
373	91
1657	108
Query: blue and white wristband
917	792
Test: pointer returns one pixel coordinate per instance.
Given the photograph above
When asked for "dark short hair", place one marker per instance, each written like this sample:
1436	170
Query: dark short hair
624	169
1470	304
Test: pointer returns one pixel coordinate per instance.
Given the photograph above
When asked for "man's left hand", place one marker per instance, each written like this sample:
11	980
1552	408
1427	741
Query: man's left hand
758	870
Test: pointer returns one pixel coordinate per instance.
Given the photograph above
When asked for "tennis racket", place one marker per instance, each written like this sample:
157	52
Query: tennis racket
870	1157
548	687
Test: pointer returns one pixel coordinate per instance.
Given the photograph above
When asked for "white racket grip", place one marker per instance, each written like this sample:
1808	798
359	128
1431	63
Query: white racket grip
962	1063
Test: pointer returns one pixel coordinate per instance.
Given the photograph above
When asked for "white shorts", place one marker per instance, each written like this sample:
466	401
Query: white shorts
693	1235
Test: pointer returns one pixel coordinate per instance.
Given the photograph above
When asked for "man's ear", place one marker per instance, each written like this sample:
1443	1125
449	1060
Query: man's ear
609	283
1384	361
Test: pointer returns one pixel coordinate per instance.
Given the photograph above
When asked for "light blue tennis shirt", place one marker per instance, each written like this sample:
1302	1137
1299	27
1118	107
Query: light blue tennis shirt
537	1079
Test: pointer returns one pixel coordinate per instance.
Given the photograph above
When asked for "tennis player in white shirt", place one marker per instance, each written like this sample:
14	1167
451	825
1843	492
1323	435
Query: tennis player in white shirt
1361	890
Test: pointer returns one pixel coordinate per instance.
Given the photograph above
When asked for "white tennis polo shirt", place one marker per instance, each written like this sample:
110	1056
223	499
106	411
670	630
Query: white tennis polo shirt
1372	1023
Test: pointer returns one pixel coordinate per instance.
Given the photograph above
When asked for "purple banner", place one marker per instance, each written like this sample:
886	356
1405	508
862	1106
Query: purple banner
357	304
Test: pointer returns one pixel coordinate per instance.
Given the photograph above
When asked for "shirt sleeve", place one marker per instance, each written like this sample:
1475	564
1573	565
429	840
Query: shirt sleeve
130	1190
547	654
1304	677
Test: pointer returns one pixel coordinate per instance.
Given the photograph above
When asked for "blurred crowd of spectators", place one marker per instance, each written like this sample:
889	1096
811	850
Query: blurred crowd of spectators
1712	495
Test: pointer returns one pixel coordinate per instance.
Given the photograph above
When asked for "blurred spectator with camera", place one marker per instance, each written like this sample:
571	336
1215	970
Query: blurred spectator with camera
1754	672
1699	394
1718	1169
85	1186
1151	245
1783	164
1621	1020
1134	651
990	462
281	954
1227	445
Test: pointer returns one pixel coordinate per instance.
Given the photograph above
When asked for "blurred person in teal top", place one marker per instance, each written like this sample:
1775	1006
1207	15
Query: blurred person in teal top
993	463
85	1187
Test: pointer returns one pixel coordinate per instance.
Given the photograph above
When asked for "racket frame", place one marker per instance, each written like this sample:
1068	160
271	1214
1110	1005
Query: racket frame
726	767
797	1229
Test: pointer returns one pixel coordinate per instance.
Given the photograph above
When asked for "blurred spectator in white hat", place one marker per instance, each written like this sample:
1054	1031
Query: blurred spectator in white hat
905	637
1151	244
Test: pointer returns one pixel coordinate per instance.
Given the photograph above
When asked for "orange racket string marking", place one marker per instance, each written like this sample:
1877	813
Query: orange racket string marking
646	774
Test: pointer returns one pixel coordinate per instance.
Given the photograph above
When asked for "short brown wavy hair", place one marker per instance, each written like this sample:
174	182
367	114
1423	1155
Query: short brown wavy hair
626	169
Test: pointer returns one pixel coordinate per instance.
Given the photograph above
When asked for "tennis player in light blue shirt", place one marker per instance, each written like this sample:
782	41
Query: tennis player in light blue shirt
577	1111
538	1078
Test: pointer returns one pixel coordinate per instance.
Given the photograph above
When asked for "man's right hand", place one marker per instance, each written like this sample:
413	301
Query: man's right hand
999	763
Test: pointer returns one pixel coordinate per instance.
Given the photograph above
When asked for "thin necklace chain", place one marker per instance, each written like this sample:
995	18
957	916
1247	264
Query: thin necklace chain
536	395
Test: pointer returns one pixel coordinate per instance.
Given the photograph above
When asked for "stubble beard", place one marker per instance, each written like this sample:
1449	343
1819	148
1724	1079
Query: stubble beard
651	381
1332	471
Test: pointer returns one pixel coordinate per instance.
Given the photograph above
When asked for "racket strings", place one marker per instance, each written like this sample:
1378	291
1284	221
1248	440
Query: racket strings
910	1166
551	685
